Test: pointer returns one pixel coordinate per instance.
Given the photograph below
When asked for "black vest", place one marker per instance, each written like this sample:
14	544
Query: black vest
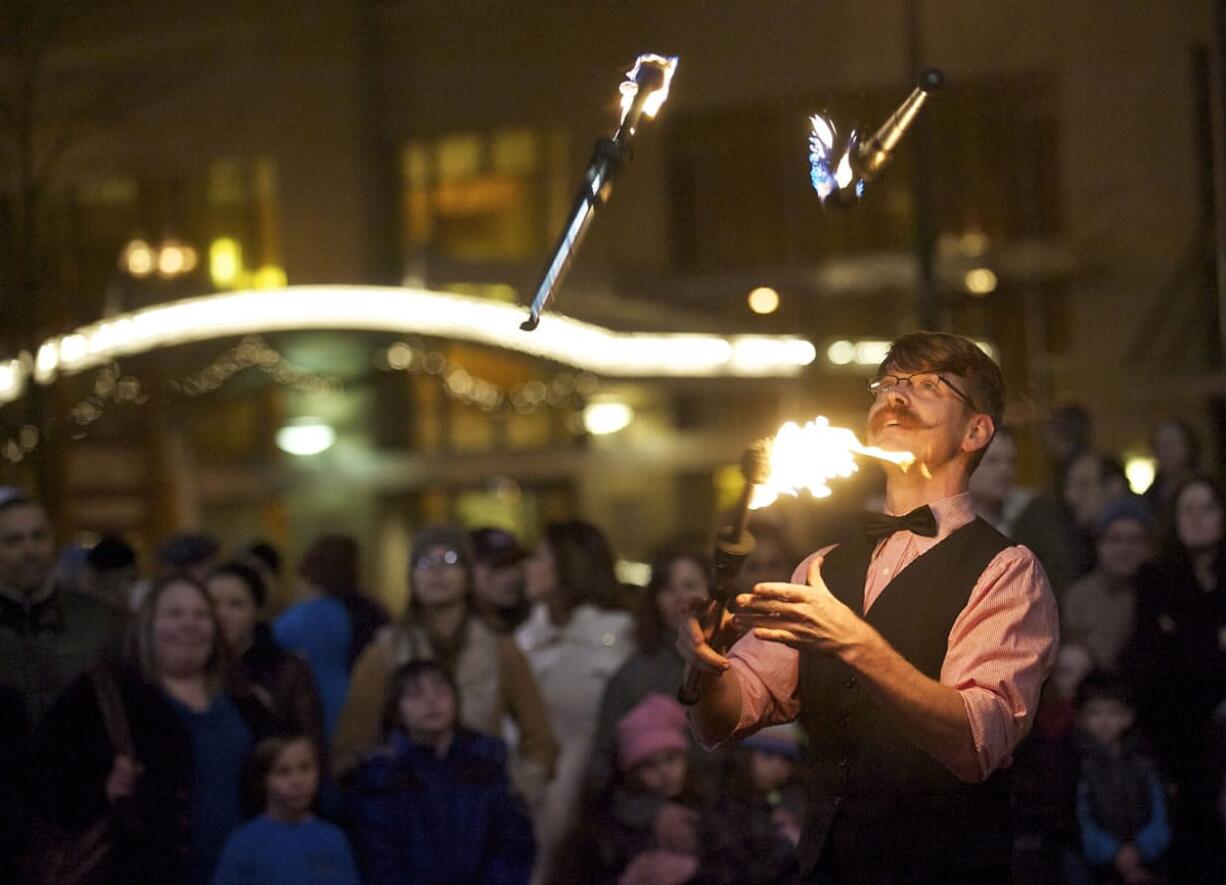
887	810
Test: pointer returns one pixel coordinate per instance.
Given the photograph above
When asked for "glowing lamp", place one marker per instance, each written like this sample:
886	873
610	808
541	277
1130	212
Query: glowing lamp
1140	472
763	300
980	281
601	419
305	437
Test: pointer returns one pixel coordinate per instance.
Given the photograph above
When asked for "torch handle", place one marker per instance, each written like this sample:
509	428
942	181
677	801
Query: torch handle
608	156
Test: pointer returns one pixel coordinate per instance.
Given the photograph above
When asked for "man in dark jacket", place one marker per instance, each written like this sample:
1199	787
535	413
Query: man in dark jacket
48	634
913	652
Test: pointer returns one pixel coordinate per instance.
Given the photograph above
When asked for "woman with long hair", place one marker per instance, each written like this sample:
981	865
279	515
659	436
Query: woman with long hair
575	639
441	624
239	593
178	795
1178	661
678	576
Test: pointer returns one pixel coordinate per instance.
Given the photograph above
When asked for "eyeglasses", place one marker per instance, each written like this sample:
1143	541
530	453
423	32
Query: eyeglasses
441	559
922	384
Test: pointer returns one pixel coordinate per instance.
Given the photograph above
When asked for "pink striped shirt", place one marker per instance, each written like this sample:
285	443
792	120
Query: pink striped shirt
1001	647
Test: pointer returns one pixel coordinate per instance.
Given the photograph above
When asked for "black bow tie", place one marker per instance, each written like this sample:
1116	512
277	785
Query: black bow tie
920	521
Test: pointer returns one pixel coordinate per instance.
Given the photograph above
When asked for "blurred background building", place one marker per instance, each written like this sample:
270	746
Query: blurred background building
1057	201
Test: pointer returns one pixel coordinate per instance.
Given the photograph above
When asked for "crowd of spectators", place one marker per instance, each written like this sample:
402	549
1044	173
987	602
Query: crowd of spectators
516	722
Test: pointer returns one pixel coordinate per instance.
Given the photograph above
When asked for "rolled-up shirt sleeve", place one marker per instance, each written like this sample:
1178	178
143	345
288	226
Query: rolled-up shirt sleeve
1000	650
769	673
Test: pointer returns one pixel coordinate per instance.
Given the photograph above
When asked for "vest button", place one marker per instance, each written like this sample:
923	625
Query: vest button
851	682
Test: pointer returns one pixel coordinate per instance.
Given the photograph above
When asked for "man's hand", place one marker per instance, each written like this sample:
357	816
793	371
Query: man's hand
693	646
800	616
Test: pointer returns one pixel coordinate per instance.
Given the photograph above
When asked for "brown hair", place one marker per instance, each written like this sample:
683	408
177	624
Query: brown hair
218	667
585	564
944	352
261	760
648	626
410	674
331	564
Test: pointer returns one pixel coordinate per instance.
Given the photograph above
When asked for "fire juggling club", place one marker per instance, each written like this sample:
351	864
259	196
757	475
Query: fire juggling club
840	172
643	92
733	545
796	458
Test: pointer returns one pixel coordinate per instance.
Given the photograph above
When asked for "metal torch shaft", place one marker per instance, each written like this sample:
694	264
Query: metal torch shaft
874	152
609	155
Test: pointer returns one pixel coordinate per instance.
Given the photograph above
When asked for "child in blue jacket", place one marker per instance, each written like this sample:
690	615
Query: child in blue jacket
286	843
1121	802
435	804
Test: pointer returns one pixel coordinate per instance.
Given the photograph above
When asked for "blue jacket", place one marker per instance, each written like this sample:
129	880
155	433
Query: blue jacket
416	817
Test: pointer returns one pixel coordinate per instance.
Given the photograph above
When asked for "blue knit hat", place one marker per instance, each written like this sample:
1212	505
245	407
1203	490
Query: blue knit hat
1127	507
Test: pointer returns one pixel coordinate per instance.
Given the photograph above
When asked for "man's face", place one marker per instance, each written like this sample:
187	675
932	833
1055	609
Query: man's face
26	548
930	421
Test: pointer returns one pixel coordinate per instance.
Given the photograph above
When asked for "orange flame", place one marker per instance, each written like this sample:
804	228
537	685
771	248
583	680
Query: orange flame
809	457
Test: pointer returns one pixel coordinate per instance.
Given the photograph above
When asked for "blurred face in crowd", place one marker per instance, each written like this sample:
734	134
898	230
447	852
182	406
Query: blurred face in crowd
1123	547
1073	662
686	581
27	551
428	708
541	572
292	781
767	562
236	610
183	631
1172	450
1106	720
663	773
439	578
1198	517
500	587
924	416
994	478
770	771
1084	491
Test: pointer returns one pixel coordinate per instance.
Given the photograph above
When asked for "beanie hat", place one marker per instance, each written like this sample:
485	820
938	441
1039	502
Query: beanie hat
1126	507
658	723
782	740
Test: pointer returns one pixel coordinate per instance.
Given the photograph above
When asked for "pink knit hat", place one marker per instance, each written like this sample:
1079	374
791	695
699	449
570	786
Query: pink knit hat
657	723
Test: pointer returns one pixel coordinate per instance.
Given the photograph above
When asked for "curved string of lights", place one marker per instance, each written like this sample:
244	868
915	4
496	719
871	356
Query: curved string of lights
580	345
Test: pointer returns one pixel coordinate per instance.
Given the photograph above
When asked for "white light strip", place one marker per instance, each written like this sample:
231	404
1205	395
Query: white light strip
411	311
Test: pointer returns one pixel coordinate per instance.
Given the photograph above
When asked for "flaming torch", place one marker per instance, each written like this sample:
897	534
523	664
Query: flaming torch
840	169
797	458
643	92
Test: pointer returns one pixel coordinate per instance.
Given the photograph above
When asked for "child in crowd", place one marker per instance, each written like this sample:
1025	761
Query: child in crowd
435	803
287	843
758	809
643	827
1044	777
1121	803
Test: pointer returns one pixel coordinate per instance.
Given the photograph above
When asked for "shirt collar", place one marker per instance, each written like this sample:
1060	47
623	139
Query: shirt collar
951	514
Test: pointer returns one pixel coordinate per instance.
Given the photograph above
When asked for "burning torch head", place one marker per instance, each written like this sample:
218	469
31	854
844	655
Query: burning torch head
840	168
